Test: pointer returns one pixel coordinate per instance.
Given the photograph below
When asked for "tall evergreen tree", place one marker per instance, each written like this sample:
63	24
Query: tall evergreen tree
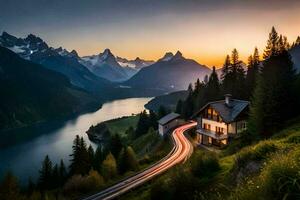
63	174
127	160
153	120
297	41
91	156
252	72
213	86
115	145
273	101
234	81
225	68
55	177
143	124
272	44
45	178
98	159
80	163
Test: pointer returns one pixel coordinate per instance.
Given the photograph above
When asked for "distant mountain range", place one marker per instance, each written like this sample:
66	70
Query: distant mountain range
36	50
32	93
116	69
170	73
87	72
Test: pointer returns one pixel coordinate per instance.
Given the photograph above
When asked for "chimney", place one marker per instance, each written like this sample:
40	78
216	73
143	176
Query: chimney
227	99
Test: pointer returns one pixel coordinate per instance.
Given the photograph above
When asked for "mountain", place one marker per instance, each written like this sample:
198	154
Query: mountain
170	73
36	50
295	53
105	65
136	64
31	93
168	101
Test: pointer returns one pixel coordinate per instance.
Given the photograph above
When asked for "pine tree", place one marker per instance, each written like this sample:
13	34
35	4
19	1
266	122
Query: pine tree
85	164
213	86
62	173
273	101
55	177
143	124
45	178
272	44
98	159
252	72
297	41
115	145
80	158
91	156
127	160
234	81
225	69
153	120
190	88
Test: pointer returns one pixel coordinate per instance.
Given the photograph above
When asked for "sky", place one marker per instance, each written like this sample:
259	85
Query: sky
204	30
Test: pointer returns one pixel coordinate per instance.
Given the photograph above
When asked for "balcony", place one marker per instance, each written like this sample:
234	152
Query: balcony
213	134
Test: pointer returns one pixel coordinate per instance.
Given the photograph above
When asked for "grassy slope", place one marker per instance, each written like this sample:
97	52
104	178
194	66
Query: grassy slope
269	169
122	124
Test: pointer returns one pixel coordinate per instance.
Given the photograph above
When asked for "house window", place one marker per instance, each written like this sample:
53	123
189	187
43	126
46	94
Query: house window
219	130
209	113
206	126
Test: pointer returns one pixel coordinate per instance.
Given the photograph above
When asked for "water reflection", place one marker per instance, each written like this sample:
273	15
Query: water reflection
24	159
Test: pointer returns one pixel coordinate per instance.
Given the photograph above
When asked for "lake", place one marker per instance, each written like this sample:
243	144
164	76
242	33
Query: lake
24	159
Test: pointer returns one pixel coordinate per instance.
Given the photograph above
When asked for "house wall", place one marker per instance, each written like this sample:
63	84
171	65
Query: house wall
163	129
237	127
214	124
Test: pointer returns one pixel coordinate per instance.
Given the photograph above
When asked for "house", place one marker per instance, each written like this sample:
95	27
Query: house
219	121
168	122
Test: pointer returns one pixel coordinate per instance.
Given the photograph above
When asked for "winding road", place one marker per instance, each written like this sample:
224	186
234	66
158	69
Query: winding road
181	151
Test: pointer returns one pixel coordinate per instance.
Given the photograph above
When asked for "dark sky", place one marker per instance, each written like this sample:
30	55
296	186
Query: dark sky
148	28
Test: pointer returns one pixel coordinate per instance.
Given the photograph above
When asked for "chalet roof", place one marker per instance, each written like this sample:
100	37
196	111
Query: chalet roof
166	119
228	113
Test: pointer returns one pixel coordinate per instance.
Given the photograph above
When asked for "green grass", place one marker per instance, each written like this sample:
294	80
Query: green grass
120	125
262	170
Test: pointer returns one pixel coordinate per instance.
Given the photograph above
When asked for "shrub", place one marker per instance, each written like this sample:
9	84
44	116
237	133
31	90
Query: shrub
109	167
183	185
84	184
160	190
204	164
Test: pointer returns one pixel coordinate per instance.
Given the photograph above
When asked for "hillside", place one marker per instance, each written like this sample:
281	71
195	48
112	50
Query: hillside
31	93
266	170
172	73
168	101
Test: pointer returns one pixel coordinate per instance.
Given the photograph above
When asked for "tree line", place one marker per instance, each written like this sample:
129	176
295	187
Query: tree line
271	85
89	170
